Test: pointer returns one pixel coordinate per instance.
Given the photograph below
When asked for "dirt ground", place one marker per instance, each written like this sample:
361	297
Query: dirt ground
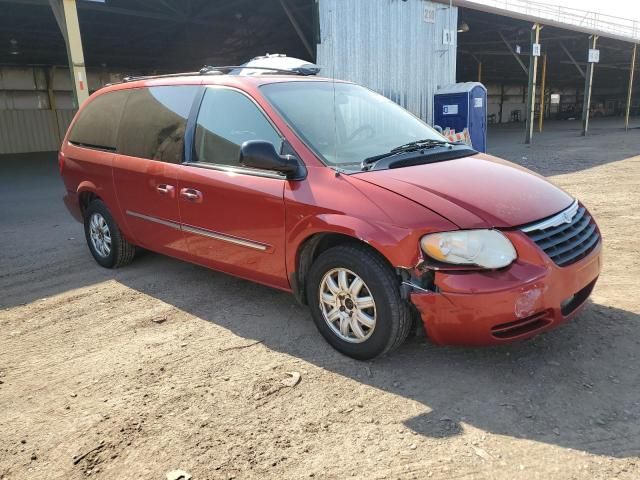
162	365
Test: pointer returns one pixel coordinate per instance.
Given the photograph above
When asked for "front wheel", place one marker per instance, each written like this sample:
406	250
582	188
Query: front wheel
355	302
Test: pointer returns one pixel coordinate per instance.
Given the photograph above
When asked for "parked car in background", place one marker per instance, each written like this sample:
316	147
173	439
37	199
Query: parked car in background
332	192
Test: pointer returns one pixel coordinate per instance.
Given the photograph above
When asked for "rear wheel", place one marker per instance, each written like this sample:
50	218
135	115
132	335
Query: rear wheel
106	243
355	302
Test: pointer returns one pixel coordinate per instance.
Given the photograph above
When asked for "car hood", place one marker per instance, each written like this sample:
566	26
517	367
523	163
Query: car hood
476	191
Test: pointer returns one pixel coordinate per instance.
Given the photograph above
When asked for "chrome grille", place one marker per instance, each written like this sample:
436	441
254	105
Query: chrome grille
566	237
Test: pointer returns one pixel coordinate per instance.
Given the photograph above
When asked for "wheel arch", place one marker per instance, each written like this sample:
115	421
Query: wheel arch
314	245
85	198
87	193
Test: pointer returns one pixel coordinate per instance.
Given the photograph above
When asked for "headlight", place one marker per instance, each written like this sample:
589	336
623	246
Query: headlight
484	248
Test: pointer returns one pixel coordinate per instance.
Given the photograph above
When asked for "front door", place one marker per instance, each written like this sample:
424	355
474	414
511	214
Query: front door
232	217
151	147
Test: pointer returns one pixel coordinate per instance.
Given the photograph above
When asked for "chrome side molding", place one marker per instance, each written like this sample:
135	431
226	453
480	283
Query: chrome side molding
224	238
166	223
201	231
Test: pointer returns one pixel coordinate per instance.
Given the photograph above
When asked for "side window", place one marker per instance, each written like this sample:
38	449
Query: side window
154	122
97	125
226	120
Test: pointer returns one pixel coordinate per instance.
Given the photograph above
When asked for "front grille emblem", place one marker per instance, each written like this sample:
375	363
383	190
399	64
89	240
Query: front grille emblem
568	216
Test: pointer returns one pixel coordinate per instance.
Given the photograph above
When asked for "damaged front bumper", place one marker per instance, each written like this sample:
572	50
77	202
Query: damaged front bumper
483	307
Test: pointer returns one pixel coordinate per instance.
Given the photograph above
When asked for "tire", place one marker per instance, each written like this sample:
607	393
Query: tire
392	315
118	252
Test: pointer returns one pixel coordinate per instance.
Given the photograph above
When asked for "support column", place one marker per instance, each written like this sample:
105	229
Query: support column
66	15
631	73
588	81
542	94
531	94
480	71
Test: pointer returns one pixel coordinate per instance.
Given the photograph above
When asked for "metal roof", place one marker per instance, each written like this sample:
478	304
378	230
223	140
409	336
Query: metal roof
609	26
152	35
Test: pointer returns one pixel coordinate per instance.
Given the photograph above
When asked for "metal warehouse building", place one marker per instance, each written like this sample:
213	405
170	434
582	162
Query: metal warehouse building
541	65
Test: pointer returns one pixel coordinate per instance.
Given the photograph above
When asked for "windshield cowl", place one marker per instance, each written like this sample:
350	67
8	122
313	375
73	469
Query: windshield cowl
419	156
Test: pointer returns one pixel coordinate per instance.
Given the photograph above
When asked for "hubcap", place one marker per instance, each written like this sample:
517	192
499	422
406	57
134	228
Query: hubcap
100	235
347	305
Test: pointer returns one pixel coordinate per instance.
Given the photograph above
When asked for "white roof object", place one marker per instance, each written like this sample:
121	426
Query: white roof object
277	62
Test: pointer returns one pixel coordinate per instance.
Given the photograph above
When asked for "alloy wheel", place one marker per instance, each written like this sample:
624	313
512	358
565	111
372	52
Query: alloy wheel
347	305
100	234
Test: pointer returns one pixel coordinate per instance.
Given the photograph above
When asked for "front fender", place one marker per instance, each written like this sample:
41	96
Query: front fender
400	246
327	202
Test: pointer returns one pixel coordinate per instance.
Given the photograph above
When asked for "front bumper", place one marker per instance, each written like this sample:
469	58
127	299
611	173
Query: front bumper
530	296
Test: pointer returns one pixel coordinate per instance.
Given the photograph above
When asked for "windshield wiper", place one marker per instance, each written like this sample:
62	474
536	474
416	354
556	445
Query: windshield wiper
408	147
418	144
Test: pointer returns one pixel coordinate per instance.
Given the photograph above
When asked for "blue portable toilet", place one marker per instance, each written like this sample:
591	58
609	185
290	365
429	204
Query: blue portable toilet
460	106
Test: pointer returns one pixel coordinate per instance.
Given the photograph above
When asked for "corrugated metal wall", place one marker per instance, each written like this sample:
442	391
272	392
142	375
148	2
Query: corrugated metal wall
27	122
24	131
394	47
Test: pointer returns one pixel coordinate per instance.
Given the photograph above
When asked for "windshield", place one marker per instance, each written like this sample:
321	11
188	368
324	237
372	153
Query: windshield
363	124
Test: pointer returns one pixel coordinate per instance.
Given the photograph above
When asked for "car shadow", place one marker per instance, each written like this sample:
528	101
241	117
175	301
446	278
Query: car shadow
577	387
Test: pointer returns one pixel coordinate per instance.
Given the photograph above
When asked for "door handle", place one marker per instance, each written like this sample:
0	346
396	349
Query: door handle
164	189
191	194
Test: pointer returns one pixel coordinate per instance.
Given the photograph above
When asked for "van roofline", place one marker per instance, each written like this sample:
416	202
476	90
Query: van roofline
223	70
195	78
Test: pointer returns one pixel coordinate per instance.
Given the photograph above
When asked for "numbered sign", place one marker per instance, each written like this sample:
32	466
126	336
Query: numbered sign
429	14
535	50
448	37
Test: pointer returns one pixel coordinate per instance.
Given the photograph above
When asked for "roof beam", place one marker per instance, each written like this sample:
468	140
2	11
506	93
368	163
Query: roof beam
600	65
214	8
499	42
164	3
296	27
108	9
573	60
515	55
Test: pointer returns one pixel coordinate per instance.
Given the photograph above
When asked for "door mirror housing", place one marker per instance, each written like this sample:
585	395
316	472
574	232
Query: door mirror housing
262	155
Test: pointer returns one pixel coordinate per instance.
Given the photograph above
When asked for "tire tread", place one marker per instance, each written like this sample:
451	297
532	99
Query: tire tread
401	327
123	250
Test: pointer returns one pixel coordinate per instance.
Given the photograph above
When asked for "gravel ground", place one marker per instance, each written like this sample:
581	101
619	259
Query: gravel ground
163	365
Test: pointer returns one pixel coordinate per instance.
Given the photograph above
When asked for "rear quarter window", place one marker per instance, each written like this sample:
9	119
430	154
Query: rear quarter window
97	123
154	122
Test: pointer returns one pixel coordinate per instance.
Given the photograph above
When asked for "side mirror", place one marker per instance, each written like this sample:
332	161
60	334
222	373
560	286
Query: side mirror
262	155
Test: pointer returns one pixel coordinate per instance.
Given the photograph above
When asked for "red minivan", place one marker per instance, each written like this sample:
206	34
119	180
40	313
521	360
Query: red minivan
332	192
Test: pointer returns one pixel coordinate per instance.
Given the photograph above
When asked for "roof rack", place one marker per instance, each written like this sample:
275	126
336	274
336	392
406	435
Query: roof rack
147	77
222	70
301	70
